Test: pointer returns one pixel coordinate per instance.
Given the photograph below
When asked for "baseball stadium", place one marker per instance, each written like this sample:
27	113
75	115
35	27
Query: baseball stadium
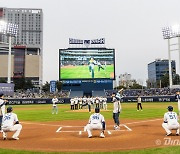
62	128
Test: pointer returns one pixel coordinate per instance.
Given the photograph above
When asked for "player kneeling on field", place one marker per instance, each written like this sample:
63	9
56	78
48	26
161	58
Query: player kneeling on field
96	122
171	122
10	123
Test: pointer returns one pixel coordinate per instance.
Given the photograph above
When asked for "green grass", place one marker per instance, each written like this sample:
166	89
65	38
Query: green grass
167	150
83	72
43	112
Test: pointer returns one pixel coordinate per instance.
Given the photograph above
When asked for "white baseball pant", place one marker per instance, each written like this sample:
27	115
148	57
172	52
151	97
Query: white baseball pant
170	127
16	128
92	126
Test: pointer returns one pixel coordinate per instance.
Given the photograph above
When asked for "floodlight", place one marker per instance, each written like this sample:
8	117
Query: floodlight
3	27
10	30
171	32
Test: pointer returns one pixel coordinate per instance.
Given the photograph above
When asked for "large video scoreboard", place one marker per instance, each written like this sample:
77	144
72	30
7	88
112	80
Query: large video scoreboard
86	63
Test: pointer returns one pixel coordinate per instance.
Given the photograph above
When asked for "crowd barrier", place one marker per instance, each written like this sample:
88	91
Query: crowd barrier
67	100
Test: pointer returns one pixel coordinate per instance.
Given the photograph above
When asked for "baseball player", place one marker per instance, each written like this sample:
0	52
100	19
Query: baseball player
116	111
2	108
96	122
171	122
54	107
89	104
178	98
105	103
10	123
139	104
72	103
91	64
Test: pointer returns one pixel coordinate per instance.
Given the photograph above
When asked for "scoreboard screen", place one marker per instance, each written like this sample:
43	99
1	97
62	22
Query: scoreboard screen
86	63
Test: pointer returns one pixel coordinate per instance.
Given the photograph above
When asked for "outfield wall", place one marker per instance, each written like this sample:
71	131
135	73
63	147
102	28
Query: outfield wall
67	100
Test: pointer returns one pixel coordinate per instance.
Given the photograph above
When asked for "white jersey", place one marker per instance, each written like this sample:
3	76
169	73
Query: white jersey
9	120
96	118
2	104
116	106
72	101
54	101
171	118
139	99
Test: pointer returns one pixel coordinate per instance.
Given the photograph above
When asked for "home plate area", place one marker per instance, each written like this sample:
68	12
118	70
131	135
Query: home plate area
79	130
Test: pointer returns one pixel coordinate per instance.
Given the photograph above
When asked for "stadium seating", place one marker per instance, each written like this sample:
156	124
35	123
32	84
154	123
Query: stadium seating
76	94
98	94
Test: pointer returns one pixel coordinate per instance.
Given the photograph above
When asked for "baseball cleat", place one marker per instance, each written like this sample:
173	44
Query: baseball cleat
4	136
169	134
102	135
15	138
90	136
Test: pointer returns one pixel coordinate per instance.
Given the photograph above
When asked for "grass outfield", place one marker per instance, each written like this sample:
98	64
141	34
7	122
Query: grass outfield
82	71
43	112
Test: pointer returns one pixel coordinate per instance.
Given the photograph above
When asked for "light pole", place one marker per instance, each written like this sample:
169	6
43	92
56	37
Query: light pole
10	30
169	33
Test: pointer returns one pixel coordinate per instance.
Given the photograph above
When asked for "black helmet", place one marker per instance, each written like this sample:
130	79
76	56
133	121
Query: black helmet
97	110
9	109
170	108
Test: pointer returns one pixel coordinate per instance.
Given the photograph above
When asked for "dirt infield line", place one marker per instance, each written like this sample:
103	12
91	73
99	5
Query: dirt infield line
130	123
59	129
137	122
127	127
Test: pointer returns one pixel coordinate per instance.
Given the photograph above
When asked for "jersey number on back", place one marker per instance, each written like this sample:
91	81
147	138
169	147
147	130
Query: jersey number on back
172	116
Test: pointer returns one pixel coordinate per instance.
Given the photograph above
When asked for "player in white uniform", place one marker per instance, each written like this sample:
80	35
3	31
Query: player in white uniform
178	98
54	107
105	103
116	110
10	123
2	108
171	122
96	122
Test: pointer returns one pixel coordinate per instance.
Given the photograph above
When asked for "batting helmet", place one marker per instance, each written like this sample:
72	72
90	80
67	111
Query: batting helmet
97	110
9	109
170	108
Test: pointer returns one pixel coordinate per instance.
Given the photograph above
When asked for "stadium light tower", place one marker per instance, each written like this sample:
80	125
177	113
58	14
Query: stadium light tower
10	30
169	33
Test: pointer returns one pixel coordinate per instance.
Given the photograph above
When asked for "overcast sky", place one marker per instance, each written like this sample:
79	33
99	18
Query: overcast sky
132	27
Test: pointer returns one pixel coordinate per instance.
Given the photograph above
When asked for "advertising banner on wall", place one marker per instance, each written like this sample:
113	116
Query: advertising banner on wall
7	89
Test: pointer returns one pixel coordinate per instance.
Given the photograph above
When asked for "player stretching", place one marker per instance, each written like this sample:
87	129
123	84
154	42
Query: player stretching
96	122
170	122
11	124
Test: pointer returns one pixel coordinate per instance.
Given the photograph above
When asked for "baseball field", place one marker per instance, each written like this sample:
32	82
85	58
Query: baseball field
82	72
44	132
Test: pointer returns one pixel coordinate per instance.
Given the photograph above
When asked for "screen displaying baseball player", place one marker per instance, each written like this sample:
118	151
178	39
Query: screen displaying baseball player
171	122
11	123
96	122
